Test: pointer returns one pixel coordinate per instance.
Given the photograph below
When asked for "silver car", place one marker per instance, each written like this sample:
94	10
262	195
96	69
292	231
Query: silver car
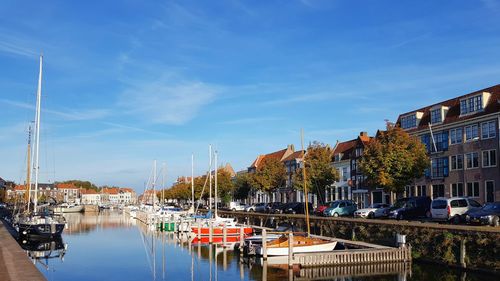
376	210
452	209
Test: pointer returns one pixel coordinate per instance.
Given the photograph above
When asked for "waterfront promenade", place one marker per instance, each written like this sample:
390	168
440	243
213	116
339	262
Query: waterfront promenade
14	263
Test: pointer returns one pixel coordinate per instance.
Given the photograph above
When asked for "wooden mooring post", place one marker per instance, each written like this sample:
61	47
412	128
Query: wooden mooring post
224	236
264	244
290	250
242	241
462	254
210	233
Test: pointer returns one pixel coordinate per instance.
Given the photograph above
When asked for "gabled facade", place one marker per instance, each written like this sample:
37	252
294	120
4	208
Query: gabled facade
462	140
341	161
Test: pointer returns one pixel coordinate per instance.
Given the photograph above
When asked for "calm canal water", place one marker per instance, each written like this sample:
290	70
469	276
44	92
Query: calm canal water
111	246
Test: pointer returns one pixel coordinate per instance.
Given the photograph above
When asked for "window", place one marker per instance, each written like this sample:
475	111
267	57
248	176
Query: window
471	132
489	195
426	140
436	116
344	173
488	130
456	136
457	162
441	141
409	121
471	104
473	189
359	151
472	160
439	167
460	203
457	189
489	158
474	203
421	190
437	190
353	165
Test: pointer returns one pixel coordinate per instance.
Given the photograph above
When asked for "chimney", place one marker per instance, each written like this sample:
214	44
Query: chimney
291	147
363	134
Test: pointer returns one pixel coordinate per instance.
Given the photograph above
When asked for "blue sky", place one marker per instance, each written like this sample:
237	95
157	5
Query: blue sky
127	82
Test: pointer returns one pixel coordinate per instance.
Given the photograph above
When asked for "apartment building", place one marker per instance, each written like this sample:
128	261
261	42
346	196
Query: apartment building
462	138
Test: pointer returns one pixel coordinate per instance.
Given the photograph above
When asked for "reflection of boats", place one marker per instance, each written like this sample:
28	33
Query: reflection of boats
279	247
68	208
41	250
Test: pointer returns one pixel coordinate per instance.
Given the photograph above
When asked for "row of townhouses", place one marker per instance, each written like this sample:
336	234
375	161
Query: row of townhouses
68	192
462	139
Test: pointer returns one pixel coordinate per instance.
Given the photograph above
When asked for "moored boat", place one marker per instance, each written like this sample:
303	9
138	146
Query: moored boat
68	208
301	244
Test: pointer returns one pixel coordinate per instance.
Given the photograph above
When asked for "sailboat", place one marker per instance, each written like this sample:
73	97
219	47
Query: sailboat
37	222
217	224
301	244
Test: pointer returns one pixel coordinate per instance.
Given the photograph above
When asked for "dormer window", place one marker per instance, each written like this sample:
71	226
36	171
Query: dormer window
409	121
436	116
338	157
473	104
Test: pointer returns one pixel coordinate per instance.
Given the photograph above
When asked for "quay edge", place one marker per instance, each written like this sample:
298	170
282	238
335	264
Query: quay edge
14	263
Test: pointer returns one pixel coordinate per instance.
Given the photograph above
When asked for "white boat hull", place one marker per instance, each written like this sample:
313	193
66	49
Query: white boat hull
72	209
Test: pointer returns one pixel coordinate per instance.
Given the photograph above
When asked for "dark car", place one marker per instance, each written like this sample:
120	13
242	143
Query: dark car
297	208
274	207
410	208
488	215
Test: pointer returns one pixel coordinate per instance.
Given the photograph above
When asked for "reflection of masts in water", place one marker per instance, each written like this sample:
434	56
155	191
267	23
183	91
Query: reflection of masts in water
163	254
144	243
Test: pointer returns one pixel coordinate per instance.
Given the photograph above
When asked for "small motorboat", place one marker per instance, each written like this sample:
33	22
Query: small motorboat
301	244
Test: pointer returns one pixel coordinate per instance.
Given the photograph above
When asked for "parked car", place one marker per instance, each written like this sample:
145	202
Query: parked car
274	207
488	215
257	207
376	210
321	208
297	208
408	208
236	206
341	208
452	209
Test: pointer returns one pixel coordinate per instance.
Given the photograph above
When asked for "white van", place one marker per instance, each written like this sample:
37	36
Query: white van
236	206
452	209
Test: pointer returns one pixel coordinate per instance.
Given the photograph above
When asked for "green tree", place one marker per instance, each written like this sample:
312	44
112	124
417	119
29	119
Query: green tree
225	185
319	172
242	186
271	174
393	159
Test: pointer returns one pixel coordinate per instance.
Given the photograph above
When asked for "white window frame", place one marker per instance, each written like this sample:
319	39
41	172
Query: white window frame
456	162
451	189
455	134
466	162
471	130
490	136
439	112
489	158
478	187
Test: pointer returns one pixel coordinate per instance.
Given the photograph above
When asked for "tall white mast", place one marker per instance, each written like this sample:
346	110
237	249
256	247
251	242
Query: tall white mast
154	182
164	175
37	132
210	177
192	181
216	194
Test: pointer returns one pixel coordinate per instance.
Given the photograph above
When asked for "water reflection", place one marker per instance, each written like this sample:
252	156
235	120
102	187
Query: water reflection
42	250
111	246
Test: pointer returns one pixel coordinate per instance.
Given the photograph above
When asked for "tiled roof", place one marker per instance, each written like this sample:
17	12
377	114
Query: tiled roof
345	148
113	190
296	155
453	114
88	191
66	186
279	155
127	189
20	187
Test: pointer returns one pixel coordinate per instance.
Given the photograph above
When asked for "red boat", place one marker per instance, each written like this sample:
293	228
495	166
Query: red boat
219	231
215	239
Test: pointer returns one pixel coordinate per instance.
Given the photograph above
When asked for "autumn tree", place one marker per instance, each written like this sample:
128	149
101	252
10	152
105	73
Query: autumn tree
319	172
393	159
271	174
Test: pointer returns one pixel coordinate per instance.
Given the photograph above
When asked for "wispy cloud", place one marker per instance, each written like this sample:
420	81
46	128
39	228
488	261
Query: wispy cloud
71	115
244	121
15	49
167	102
